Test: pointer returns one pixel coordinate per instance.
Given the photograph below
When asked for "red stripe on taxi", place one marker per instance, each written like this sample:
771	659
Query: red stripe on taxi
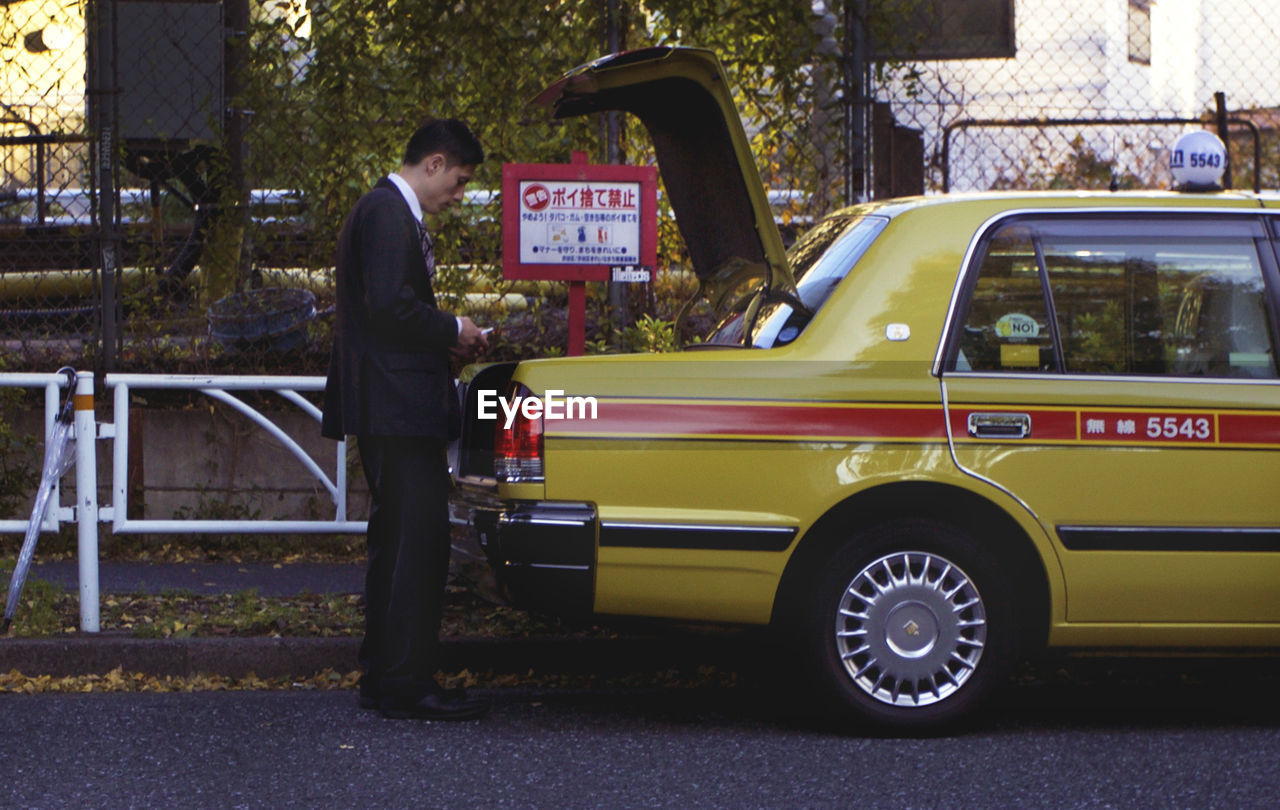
922	423
1252	428
734	419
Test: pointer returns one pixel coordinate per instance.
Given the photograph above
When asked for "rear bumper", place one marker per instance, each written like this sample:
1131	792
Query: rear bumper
543	552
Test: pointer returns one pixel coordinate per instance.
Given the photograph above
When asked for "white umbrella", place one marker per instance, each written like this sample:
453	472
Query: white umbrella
59	455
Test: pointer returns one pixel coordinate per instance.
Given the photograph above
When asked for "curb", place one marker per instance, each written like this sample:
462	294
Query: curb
301	657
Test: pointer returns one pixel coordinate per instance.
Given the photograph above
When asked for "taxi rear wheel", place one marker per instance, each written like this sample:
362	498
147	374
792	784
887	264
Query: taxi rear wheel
911	626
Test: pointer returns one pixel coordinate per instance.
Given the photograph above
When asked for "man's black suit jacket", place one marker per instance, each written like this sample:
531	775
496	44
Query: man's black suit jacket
389	371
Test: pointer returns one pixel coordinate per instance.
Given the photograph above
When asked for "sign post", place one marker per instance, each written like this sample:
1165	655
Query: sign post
575	223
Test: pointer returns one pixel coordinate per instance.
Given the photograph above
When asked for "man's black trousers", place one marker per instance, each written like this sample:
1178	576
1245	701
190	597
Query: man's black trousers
408	544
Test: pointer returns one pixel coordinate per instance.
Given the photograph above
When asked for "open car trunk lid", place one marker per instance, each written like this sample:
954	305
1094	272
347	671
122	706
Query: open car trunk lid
683	98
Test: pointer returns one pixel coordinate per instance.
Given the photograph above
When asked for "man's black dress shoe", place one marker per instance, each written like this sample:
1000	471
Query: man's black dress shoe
370	693
372	699
445	705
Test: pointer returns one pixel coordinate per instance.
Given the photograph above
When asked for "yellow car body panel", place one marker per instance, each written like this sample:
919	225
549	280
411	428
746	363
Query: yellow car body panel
663	482
780	437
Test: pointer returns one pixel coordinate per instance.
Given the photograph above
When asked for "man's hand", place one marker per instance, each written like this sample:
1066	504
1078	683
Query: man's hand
472	341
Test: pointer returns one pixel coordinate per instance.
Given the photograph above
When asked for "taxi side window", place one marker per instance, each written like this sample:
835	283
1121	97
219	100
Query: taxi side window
1007	327
1152	297
1128	295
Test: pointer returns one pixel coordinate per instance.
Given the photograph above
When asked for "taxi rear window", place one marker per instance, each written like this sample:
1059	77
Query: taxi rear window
1167	296
819	260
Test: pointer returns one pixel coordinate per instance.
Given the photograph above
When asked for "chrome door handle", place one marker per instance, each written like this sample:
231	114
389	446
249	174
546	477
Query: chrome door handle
999	425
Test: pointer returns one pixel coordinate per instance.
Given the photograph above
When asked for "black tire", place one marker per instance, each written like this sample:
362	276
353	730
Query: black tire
910	626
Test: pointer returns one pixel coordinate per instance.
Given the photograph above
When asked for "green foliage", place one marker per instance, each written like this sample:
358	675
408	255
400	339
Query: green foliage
650	334
332	109
1081	168
783	83
39	612
242	504
1096	340
1242	161
219	506
1084	168
18	479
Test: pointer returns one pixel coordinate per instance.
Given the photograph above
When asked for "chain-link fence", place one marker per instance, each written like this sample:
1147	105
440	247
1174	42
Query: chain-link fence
190	163
1090	94
46	206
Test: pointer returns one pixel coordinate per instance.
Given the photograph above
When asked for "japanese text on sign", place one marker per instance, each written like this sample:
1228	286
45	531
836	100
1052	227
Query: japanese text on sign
569	222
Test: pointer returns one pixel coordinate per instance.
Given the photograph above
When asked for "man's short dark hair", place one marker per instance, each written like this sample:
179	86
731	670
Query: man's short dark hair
448	136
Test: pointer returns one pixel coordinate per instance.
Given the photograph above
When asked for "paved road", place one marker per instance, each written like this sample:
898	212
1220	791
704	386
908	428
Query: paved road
1131	737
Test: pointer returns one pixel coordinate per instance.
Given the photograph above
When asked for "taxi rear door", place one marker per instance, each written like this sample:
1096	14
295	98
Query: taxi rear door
1116	373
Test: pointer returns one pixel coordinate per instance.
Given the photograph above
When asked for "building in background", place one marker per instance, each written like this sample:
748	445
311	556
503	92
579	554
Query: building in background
42	83
1089	60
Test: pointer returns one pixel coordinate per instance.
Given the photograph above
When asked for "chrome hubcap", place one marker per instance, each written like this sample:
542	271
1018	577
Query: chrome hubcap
910	628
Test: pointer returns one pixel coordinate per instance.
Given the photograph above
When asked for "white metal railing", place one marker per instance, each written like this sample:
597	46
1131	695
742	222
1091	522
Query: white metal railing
87	513
52	385
218	388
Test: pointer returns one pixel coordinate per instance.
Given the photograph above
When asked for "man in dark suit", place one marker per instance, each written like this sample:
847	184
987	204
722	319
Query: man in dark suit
390	385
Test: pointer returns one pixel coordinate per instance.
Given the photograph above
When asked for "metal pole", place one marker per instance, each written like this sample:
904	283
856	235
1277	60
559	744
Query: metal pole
613	42
237	50
855	103
42	204
120	458
102	93
1220	102
52	515
86	431
613	148
340	482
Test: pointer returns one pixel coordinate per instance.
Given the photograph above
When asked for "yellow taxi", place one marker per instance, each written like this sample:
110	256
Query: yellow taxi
938	433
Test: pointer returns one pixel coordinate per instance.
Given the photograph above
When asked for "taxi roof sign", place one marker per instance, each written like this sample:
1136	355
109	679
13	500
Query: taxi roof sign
1198	161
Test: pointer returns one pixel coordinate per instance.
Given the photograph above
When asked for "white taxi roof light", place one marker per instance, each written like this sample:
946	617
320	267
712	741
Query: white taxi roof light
1197	162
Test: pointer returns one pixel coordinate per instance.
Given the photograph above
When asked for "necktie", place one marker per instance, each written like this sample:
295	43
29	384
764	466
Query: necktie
428	250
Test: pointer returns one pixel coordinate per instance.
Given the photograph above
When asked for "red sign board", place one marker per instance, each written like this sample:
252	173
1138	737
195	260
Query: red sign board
574	222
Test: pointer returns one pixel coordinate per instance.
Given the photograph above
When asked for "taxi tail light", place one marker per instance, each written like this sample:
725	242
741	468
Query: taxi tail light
517	450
